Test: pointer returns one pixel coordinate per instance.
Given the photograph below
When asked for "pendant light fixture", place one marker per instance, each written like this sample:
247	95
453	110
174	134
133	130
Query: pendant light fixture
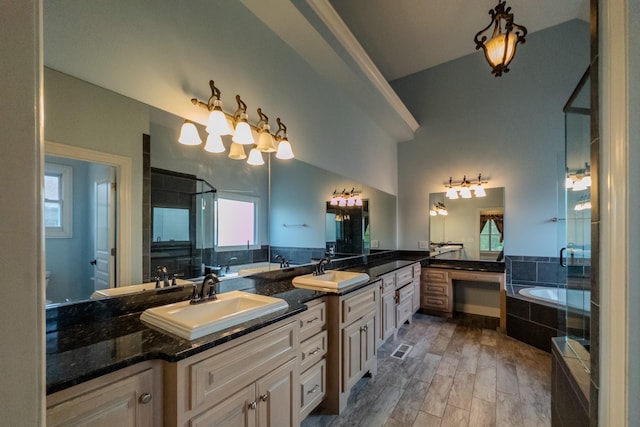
255	157
242	134
214	144
500	49
236	151
189	134
284	147
217	123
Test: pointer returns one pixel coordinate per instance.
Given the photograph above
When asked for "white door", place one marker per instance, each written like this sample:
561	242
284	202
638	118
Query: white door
104	236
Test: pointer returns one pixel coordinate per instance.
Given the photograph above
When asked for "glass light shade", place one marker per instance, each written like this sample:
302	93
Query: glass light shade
432	212
243	134
579	185
479	191
358	201
443	212
465	193
189	135
265	141
255	157
284	150
452	193
587	180
214	144
236	152
334	201
218	124
342	202
351	201
495	49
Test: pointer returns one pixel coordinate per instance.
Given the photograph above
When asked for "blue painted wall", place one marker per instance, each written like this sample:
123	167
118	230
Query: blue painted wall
511	129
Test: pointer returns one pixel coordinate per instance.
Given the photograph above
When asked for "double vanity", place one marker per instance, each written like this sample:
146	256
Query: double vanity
273	367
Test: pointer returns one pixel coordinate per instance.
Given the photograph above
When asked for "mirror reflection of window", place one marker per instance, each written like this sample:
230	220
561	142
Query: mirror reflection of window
491	234
237	221
170	224
57	200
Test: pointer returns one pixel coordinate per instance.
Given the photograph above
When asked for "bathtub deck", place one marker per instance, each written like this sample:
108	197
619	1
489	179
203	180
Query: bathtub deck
460	372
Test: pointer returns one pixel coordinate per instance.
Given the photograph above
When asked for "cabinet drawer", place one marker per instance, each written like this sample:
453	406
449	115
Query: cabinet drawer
404	276
313	320
435	275
312	350
404	311
436	288
388	283
312	388
227	372
436	302
357	306
404	293
417	270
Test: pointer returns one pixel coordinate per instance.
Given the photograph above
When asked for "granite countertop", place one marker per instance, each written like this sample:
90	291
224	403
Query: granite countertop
468	265
79	351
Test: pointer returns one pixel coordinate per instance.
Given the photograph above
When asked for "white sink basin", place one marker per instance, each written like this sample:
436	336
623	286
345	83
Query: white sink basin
194	321
331	281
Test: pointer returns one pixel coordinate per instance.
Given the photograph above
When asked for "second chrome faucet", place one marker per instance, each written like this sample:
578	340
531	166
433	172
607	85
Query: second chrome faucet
208	290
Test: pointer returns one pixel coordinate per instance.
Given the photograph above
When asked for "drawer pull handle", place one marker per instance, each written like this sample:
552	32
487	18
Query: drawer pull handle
313	320
264	397
145	398
253	405
315	351
314	389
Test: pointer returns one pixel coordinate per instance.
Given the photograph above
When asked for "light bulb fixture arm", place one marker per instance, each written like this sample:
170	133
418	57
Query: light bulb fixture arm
281	133
264	120
242	109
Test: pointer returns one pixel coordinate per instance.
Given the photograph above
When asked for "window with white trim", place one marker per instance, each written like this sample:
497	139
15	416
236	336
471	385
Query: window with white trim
237	221
58	201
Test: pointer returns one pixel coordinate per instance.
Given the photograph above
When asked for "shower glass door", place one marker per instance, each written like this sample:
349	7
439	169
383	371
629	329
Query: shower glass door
576	257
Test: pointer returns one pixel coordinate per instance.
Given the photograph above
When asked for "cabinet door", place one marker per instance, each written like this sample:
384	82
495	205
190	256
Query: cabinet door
388	315
237	410
279	397
351	355
416	295
122	403
368	339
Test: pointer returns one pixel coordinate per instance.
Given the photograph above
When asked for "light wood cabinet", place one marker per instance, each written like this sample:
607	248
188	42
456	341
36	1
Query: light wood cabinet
252	380
388	315
313	348
437	292
127	397
395	289
353	337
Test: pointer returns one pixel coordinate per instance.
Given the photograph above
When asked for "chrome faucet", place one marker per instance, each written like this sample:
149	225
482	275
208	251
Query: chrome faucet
226	267
208	290
282	260
320	266
162	274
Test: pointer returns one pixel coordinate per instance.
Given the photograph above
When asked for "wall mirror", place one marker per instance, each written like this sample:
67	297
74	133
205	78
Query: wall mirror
474	223
290	199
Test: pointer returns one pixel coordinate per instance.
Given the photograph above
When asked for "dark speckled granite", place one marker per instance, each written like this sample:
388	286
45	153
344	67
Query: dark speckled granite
471	265
90	339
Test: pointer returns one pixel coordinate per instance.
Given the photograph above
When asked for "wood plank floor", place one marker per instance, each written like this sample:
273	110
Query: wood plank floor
460	372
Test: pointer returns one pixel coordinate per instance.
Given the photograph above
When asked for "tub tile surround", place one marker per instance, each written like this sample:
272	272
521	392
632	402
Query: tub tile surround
92	338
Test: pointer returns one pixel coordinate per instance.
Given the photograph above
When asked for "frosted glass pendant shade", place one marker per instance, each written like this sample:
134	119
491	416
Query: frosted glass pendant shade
284	150
214	144
496	48
242	134
452	194
479	191
189	135
236	152
265	141
255	157
218	124
465	193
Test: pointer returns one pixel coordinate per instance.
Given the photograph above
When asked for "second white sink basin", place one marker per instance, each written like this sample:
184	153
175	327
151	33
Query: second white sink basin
197	320
331	281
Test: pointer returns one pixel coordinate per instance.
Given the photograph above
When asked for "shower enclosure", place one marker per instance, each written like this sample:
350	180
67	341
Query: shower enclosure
575	257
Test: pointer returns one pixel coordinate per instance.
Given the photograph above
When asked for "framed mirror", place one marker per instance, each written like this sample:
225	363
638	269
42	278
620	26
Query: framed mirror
474	226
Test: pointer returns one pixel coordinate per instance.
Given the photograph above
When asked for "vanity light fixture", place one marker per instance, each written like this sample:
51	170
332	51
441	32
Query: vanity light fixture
214	144
463	189
265	139
242	134
255	157
500	49
346	198
189	134
438	209
236	151
284	151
